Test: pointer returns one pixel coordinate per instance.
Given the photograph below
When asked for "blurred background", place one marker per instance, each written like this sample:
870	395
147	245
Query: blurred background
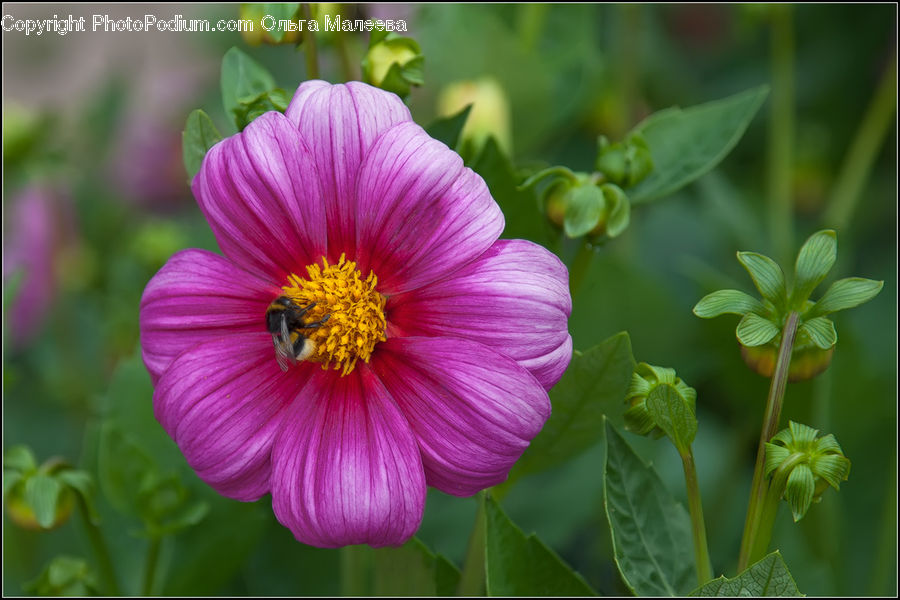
96	198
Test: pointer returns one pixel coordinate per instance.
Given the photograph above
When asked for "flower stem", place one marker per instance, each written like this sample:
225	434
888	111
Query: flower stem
471	582
864	150
701	549
150	565
580	265
777	387
781	130
101	551
309	46
769	509
340	42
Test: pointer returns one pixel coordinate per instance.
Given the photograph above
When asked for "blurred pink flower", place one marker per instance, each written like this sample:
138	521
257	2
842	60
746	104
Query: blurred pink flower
441	343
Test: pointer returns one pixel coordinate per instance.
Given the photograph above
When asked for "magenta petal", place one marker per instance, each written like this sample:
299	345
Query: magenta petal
346	468
199	296
422	214
223	402
340	123
513	298
260	192
473	411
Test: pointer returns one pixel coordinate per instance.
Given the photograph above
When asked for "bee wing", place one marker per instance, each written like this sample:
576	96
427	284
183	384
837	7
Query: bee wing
284	348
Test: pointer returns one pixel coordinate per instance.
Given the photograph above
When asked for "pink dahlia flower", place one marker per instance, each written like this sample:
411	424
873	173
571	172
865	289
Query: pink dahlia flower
440	343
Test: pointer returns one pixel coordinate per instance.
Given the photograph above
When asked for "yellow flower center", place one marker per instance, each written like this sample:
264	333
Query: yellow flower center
356	323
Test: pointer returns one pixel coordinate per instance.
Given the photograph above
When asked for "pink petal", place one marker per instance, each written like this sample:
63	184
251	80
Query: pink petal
422	214
346	466
223	402
340	123
473	411
198	296
260	192
513	298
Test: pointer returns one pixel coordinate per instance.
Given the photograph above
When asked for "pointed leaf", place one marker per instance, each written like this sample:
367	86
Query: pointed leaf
41	494
520	565
814	261
673	414
198	137
844	294
685	144
768	577
651	531
448	129
594	384
767	276
242	78
754	330
722	302
585	208
820	331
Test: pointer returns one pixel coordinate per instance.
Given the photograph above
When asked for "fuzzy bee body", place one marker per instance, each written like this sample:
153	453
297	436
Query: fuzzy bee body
284	320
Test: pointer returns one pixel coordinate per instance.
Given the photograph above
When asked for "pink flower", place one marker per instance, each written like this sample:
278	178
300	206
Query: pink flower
442	341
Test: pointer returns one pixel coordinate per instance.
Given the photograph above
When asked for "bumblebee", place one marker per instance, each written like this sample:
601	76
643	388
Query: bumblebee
284	320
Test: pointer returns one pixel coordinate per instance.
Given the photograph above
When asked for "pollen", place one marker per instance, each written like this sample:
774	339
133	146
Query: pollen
356	324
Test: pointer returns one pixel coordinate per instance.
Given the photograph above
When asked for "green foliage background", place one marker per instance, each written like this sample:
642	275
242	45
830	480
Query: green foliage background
571	72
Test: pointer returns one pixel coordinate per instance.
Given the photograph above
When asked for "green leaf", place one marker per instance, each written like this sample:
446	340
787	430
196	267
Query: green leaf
242	78
41	494
673	414
64	576
123	468
410	570
594	385
250	108
198	137
686	144
279	11
767	276
723	302
820	331
586	207
768	577
814	261
20	458
448	129
844	294
754	330
83	483
520	565
651	532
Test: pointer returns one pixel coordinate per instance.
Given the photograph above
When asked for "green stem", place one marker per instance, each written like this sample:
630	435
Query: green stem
101	551
530	23
150	563
580	265
781	131
472	580
863	151
340	41
769	509
309	45
698	526
356	570
777	387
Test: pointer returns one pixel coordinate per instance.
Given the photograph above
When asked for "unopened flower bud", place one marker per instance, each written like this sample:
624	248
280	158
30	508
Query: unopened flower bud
804	466
393	63
266	27
624	163
661	403
489	116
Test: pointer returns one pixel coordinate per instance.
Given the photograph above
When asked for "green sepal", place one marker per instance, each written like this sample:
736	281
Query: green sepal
775	456
82	482
674	414
618	209
242	78
800	489
755	330
407	66
844	294
19	458
767	276
250	108
585	208
722	302
820	331
42	494
833	468
198	137
814	261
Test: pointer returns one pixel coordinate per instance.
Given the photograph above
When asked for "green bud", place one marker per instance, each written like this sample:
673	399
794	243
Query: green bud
64	576
624	163
490	115
393	63
259	34
803	466
661	403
